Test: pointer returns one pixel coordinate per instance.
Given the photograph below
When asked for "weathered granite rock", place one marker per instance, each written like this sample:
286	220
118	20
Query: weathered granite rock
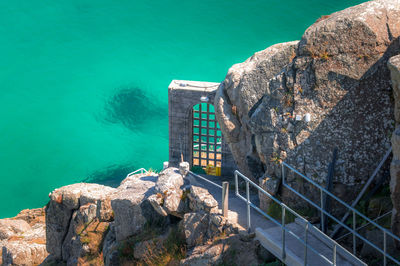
59	212
271	185
226	251
244	85
194	226
204	255
337	75
201	200
169	185
23	238
394	66
23	253
131	208
110	248
11	227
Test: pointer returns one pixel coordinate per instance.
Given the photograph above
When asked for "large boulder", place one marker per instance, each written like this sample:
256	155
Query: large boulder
338	78
168	191
67	212
244	85
23	238
131	208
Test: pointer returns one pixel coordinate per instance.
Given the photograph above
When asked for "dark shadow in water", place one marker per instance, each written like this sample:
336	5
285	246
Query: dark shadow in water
110	176
134	108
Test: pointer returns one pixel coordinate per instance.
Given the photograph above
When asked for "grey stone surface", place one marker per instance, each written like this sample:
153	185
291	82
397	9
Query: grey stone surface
394	66
338	75
64	201
244	86
23	238
23	253
194	226
11	227
269	184
130	205
226	251
201	200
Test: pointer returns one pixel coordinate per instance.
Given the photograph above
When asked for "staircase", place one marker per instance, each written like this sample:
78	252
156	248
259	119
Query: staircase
295	251
301	243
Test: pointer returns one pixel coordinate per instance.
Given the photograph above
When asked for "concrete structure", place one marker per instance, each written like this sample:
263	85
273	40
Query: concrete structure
182	97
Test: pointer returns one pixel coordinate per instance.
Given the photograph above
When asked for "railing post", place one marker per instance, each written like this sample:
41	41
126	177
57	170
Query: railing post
236	184
322	211
306	245
384	248
334	255
354	233
248	205
283	233
225	198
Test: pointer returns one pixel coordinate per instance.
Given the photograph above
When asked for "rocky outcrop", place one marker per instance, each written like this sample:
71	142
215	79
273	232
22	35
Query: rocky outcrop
131	207
225	251
337	77
244	86
23	239
168	193
394	66
70	215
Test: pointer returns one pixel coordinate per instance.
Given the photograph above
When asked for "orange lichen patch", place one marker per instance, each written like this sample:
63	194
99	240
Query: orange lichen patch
38	240
32	216
322	18
15	238
59	199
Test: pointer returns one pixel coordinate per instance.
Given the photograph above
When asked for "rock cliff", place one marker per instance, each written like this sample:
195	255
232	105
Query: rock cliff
394	66
298	101
150	219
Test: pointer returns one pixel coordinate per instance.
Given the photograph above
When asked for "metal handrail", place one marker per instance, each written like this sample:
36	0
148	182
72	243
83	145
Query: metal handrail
351	209
205	179
142	171
365	225
282	224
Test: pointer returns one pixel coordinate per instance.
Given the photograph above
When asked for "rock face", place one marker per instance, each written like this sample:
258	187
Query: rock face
394	66
336	76
130	205
23	239
69	214
225	251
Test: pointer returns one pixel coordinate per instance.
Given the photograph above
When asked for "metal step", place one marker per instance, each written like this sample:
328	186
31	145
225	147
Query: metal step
271	239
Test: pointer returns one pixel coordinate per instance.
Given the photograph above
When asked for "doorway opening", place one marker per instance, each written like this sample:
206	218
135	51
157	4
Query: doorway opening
207	139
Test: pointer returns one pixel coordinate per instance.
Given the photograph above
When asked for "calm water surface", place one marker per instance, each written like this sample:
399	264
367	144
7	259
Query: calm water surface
84	83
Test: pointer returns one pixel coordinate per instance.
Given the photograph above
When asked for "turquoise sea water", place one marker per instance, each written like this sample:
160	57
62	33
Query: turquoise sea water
83	84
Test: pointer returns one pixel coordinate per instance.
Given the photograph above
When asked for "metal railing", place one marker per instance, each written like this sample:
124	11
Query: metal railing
205	179
282	225
355	214
141	170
